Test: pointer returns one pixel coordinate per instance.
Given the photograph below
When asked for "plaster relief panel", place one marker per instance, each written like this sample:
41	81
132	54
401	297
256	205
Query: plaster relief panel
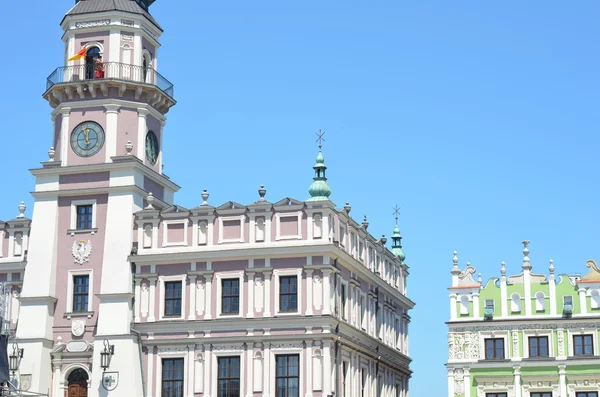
200	296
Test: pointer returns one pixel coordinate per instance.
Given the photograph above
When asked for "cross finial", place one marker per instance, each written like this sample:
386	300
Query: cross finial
396	212
320	138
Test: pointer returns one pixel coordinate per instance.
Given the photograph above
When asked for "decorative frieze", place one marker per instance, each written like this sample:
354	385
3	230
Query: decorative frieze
463	346
524	326
92	24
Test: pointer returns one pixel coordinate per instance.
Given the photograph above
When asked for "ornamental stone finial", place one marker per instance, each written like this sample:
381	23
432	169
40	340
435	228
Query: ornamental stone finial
262	192
479	279
526	261
551	268
347	208
383	239
150	201
455	258
128	148
503	268
365	223
52	153
22	209
205	196
455	270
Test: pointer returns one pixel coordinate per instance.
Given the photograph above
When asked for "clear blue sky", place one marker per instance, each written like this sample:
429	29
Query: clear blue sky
479	118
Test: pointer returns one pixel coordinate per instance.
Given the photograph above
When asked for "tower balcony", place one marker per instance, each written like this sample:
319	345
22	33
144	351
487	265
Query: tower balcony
117	80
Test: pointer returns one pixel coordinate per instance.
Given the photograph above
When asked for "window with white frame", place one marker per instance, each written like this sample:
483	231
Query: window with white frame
288	226
80	291
538	344
540	301
172	295
288	291
230	293
287	375
175	232
83	215
515	303
173	377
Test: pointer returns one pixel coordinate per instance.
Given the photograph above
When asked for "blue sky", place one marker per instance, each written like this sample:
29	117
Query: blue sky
479	118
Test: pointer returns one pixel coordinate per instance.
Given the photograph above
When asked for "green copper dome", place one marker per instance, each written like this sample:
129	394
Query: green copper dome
319	190
397	245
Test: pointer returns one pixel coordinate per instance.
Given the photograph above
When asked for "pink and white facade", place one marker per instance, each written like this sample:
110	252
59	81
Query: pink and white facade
292	298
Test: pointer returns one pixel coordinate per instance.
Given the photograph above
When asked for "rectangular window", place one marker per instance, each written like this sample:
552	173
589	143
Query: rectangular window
494	349
287	376
172	377
495	395
583	345
343	293
81	290
567	300
538	346
288	294
228	379
489	303
173	298
84	216
586	394
230	301
544	394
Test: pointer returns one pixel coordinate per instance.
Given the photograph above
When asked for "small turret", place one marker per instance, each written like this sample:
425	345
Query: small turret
319	190
397	239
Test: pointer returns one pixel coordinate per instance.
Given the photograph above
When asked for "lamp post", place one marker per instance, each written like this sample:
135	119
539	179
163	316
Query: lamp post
106	354
15	358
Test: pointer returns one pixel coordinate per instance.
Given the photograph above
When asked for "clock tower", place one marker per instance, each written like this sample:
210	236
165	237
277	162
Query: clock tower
109	103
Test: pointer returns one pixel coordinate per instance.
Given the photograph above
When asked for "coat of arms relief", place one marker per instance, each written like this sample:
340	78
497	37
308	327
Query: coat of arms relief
81	251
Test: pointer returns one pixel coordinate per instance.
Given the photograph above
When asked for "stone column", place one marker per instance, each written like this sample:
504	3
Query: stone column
192	315
152	314
64	135
309	292
112	121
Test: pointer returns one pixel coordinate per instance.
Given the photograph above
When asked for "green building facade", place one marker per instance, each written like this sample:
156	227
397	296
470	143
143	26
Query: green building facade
527	335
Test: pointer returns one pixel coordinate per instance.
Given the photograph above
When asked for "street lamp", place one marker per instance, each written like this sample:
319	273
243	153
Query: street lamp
106	355
15	358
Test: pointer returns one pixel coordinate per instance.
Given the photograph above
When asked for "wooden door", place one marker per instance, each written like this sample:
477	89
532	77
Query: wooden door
77	390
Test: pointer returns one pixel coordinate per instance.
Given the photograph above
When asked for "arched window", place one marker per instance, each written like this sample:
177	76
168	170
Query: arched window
92	54
464	304
515	303
595	294
78	382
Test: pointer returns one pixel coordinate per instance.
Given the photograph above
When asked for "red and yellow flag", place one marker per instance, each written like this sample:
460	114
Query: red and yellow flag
79	55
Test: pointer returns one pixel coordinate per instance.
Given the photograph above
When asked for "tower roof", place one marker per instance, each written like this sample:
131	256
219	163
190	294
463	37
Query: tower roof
93	6
319	190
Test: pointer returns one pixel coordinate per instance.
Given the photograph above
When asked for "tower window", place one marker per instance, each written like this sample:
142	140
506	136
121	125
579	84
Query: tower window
92	54
84	216
81	293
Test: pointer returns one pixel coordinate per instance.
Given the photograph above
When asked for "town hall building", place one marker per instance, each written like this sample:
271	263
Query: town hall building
110	288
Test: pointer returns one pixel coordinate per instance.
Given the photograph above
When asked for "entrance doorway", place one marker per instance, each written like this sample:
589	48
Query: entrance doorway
78	380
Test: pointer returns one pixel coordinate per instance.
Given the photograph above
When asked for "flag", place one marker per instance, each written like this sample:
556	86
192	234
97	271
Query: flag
79	55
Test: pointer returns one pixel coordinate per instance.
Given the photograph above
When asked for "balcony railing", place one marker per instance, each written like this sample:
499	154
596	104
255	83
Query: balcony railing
112	70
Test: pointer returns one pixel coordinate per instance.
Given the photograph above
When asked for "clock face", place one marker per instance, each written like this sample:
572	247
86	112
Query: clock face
151	147
87	139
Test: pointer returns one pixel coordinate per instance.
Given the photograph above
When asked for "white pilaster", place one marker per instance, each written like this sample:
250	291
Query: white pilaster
450	382
476	312
327	368
111	130
192	315
250	312
191	371
138	301
527	285
309	292
582	301
552	291
562	379
452	307
208	303
64	135
249	365
309	370
141	135
115	46
207	360
267	370
326	291
267	293
517	374
150	377
137	50
152	314
467	382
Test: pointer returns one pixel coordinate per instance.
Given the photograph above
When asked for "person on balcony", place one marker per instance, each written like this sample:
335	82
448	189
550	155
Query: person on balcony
99	68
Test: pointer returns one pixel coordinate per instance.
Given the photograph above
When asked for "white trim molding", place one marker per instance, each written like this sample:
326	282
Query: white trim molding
582	331
494	335
219	351
278	217
71	287
495	384
286	349
169	353
288	272
583	383
75	204
227	276
161	296
166	242
241	218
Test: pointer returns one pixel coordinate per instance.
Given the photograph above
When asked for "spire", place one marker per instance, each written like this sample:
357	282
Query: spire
319	190
397	238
